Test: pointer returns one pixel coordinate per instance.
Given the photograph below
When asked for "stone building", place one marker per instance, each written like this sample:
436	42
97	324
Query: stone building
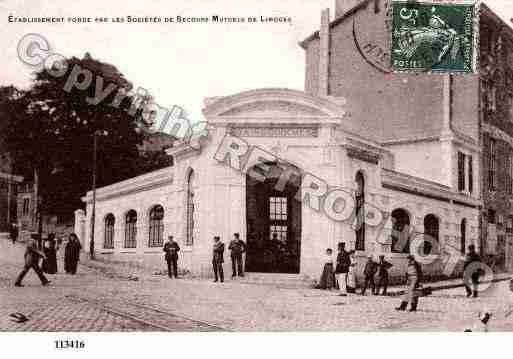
405	150
8	186
496	95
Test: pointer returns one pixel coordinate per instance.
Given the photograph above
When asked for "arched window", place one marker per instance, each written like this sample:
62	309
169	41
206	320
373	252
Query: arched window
463	234
108	238
156	237
360	215
189	233
432	230
131	229
400	231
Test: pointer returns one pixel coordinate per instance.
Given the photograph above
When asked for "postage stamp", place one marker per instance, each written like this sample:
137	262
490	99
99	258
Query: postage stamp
433	36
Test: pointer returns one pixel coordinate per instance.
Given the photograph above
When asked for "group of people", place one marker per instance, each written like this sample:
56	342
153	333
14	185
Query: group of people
340	274
48	253
237	247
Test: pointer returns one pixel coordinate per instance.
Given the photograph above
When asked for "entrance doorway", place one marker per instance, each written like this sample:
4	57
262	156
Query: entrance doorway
273	218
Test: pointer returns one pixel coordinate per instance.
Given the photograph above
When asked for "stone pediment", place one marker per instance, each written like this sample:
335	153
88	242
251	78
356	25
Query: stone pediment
272	108
273	104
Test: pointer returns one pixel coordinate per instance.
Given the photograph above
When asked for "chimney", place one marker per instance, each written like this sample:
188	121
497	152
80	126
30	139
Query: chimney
343	6
324	52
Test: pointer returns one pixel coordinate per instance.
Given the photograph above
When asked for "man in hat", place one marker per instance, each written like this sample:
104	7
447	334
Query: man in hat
218	259
342	268
368	272
237	247
171	248
32	256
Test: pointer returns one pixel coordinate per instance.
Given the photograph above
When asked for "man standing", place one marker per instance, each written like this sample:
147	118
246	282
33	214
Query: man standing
32	255
13	232
472	268
342	268
218	259
171	248
237	247
413	280
368	272
383	267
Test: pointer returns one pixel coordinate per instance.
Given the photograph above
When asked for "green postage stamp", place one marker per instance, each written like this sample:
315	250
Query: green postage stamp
434	36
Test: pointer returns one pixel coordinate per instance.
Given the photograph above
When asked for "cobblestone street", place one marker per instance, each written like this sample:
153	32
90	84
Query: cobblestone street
97	301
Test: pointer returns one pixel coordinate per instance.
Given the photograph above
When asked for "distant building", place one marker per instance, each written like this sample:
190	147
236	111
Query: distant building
8	186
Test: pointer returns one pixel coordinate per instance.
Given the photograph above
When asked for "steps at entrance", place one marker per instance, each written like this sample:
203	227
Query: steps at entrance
278	280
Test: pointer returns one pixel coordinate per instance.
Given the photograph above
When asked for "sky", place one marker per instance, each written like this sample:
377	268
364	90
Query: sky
179	64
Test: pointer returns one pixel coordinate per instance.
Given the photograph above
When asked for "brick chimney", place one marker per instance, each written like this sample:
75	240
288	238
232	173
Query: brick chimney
342	6
324	52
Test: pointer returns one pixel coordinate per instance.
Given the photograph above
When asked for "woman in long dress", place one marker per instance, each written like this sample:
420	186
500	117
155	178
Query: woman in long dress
328	280
72	254
50	251
351	275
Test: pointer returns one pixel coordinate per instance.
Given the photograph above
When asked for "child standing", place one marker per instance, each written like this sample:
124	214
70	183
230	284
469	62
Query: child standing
383	267
369	272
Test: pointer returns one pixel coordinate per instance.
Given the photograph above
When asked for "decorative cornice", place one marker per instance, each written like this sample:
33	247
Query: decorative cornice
405	141
141	183
325	106
362	155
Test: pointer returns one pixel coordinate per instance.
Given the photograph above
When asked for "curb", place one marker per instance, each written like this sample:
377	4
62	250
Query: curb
448	286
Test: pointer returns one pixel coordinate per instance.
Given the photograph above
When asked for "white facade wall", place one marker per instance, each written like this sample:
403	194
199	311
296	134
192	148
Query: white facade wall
220	191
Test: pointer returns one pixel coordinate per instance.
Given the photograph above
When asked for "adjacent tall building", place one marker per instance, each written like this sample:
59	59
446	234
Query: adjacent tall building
418	116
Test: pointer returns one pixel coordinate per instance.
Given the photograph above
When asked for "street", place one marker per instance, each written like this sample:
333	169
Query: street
99	300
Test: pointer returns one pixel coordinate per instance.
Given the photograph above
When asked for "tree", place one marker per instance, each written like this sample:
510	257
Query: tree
52	125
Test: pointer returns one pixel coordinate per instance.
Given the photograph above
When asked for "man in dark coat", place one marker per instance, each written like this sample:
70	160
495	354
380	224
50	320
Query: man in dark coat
237	247
218	259
342	268
32	256
383	267
472	269
72	254
369	271
171	248
13	232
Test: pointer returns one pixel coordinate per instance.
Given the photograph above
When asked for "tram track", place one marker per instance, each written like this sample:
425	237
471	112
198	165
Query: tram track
148	317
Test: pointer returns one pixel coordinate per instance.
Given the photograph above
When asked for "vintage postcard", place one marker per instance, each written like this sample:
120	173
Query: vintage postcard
244	166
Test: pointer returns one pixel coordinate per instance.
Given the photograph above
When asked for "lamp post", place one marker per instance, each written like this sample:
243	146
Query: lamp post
93	211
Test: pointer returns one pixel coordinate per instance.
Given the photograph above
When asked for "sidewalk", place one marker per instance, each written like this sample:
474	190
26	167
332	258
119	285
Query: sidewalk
131	271
239	306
